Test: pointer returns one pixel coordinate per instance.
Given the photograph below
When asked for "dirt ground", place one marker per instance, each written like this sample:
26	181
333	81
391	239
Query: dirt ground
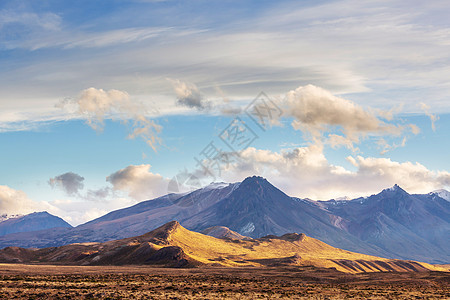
143	282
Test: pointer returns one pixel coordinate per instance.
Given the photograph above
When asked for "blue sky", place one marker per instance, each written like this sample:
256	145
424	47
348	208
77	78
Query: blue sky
104	102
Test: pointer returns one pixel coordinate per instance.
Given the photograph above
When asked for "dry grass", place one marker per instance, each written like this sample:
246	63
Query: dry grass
257	253
132	282
172	245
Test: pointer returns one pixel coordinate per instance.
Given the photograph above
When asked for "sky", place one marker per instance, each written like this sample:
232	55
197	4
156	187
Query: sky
104	104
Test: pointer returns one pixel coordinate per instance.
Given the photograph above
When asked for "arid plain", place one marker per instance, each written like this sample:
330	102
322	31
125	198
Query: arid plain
19	281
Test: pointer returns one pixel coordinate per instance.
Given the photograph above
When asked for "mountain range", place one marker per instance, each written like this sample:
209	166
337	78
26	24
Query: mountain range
31	222
390	224
171	245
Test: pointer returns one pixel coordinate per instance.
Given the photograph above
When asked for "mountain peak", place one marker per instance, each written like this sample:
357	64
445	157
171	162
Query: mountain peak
255	179
395	188
31	222
170	226
39	213
444	194
161	235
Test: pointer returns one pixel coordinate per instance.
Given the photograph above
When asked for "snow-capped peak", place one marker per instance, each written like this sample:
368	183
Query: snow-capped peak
444	194
394	188
216	185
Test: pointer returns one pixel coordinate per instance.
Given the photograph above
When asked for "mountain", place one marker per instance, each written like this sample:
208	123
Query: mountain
31	222
444	194
404	225
256	208
174	246
391	224
127	222
5	217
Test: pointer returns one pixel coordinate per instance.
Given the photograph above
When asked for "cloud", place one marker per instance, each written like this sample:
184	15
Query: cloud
188	95
17	26
139	182
96	105
15	202
305	172
433	118
242	58
76	211
316	111
71	183
98	195
109	38
414	177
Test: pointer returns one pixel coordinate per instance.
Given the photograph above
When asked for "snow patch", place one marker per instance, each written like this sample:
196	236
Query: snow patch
216	185
249	228
444	194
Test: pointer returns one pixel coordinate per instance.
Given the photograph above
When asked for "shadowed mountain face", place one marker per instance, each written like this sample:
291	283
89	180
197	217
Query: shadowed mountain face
256	208
123	223
172	245
413	226
390	224
32	222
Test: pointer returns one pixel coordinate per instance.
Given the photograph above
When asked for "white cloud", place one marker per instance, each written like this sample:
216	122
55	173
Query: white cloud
17	202
383	53
317	111
96	105
77	212
74	211
305	172
188	95
433	118
316	108
139	182
413	177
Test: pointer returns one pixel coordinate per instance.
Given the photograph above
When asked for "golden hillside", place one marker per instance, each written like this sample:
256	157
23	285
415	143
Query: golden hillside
290	249
173	245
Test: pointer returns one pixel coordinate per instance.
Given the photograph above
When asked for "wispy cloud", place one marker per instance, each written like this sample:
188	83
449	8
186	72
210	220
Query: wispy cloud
17	27
385	54
96	105
433	117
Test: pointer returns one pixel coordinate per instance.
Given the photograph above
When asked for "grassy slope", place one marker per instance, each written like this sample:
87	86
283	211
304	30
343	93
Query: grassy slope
261	252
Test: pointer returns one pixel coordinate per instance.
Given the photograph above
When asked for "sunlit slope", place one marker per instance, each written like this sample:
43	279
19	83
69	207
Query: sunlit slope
290	249
174	246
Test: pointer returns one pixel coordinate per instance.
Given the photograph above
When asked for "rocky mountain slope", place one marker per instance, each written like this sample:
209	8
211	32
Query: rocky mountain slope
32	222
174	246
391	224
413	226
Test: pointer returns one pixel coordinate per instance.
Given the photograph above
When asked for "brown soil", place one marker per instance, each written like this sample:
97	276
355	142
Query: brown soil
142	282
